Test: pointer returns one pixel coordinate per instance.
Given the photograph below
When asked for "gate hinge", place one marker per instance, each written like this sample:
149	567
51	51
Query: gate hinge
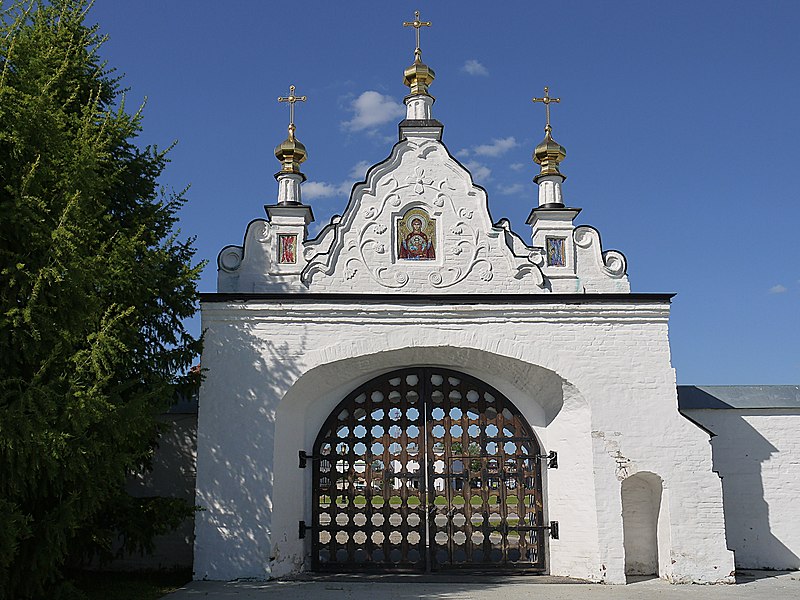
304	458
301	530
551	458
553	529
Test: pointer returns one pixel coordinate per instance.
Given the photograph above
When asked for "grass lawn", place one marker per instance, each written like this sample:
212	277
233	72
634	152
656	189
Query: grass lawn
129	586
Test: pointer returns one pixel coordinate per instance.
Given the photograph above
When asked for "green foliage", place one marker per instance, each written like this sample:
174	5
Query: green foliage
94	285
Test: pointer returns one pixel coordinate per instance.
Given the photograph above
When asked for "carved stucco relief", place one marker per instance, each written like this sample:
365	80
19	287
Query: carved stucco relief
363	245
461	247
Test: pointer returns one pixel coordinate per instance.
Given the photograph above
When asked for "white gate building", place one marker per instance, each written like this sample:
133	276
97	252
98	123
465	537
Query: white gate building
463	397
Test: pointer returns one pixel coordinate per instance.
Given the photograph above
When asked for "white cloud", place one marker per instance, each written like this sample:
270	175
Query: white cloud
313	190
315	227
473	67
516	166
480	172
373	109
496	148
510	190
463	153
777	289
359	170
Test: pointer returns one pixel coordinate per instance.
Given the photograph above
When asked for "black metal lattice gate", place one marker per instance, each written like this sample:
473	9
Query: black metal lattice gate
425	469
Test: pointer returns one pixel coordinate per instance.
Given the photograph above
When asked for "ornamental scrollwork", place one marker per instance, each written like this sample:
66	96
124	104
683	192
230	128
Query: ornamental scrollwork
614	263
263	233
449	276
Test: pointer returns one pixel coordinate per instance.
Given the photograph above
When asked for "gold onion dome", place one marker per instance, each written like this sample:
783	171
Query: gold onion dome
291	152
418	76
549	153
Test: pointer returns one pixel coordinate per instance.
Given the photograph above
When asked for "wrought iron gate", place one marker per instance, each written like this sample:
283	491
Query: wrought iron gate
426	469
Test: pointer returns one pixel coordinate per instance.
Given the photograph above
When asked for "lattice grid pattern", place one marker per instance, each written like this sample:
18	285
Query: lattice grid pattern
425	469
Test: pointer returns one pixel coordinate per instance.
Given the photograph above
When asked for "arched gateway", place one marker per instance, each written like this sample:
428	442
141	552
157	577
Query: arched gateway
427	469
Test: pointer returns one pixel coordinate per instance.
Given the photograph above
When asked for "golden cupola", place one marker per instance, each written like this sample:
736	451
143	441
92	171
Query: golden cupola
291	152
419	75
548	153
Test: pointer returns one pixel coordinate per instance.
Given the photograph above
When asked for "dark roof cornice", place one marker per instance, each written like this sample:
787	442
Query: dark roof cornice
442	299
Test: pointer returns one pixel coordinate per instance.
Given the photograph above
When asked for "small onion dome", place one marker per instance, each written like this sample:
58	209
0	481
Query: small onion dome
418	76
549	153
291	153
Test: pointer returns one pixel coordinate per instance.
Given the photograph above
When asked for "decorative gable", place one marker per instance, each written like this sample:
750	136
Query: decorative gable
419	224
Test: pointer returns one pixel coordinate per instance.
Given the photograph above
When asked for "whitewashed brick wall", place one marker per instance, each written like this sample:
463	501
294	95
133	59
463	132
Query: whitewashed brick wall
757	454
594	380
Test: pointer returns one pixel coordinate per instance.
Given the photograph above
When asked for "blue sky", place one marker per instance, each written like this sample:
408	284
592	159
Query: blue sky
680	121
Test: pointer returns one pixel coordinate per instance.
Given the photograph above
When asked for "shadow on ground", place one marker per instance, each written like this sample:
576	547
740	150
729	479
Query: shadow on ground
746	576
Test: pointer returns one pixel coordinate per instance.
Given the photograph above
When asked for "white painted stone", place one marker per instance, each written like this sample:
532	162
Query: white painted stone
289	188
593	380
592	377
418	107
757	454
550	190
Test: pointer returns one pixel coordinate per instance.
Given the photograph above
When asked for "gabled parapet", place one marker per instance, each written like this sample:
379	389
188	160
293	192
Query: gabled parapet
271	257
599	271
419	224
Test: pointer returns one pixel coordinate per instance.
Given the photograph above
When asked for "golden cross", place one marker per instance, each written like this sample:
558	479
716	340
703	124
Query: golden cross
291	99
547	100
417	24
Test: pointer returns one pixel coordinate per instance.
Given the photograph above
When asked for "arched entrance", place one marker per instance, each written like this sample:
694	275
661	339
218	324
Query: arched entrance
426	469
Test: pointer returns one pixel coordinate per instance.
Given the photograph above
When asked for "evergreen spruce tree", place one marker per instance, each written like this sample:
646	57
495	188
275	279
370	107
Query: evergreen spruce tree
94	285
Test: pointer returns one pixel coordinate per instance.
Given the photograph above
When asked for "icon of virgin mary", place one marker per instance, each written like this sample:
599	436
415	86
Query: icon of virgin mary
417	245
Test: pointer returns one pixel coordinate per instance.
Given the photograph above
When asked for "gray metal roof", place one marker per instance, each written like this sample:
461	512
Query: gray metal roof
738	396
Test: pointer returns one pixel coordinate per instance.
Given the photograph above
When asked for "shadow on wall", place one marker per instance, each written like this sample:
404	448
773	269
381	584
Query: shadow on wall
759	482
236	433
739	456
172	476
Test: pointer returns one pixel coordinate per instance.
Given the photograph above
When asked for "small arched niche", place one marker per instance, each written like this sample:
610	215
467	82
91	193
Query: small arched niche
641	510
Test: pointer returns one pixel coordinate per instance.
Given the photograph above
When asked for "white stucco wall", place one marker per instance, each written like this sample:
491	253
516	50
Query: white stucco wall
593	379
172	476
757	454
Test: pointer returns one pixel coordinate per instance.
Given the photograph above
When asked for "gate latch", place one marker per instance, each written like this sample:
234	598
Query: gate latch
552	528
551	458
